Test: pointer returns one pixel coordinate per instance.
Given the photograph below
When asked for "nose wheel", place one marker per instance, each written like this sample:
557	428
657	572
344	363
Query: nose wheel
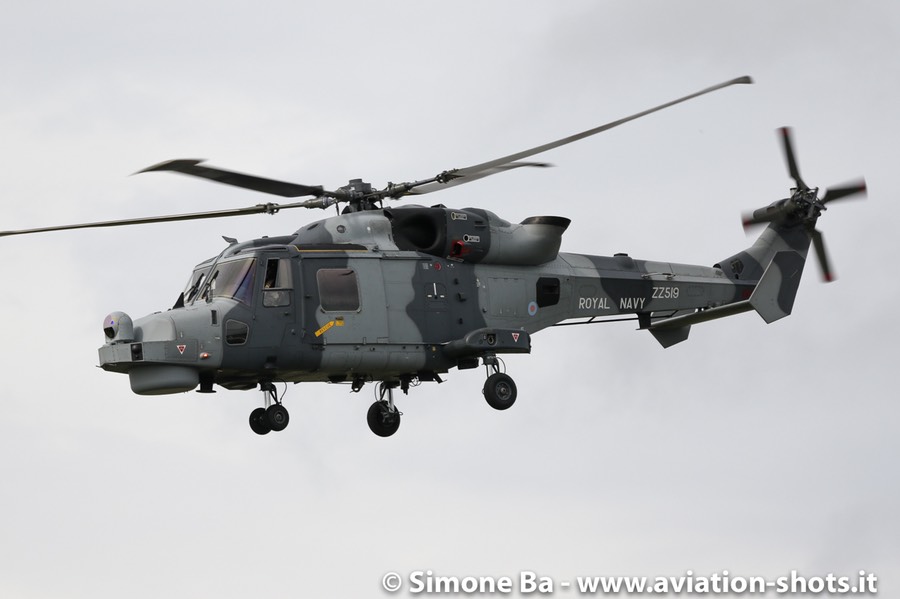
273	417
499	388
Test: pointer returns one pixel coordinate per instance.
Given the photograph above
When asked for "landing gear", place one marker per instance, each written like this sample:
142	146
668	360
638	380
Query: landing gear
499	388
258	422
273	417
383	416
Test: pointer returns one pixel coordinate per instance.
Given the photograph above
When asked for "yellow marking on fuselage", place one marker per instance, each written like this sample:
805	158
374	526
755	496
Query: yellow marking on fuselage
324	328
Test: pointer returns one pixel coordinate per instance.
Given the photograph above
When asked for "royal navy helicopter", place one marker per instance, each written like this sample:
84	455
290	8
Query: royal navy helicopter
397	296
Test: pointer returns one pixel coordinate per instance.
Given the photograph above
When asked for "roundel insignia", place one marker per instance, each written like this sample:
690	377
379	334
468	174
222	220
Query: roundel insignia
532	308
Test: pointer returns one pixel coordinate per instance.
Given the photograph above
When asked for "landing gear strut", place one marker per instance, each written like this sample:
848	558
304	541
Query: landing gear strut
499	388
383	416
272	417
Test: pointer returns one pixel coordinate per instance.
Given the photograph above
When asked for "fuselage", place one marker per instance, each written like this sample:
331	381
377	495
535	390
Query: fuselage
355	298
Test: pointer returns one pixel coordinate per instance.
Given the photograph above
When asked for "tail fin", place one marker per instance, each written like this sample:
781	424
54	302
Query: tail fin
775	262
751	264
772	298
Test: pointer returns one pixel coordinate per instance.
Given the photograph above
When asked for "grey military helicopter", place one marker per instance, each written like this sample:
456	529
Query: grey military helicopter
397	296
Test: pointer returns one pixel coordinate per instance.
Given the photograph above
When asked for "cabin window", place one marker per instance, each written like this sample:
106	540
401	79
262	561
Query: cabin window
338	289
236	332
277	283
547	291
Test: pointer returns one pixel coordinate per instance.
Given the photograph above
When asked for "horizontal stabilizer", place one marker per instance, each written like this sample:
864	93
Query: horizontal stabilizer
678	322
669	336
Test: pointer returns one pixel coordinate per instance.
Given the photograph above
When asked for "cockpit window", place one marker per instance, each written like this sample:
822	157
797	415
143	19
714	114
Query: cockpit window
278	273
234	279
195	284
277	283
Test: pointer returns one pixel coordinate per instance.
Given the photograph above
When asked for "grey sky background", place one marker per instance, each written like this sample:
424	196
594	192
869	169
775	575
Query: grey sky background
751	448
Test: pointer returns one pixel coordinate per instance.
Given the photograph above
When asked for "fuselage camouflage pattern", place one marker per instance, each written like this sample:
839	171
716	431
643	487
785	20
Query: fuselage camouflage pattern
407	294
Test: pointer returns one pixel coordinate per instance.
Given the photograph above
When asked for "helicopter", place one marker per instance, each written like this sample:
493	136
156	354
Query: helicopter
398	296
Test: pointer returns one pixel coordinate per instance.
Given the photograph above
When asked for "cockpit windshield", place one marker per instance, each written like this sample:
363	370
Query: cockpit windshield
195	284
233	279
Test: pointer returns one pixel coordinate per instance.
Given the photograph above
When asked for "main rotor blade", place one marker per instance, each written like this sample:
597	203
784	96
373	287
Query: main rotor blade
258	209
279	188
477	171
819	244
835	193
789	156
450	179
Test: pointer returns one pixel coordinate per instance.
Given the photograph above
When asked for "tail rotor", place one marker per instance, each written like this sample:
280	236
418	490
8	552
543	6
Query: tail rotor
804	206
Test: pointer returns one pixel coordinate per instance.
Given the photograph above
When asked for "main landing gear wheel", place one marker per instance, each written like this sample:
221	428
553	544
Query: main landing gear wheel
383	416
277	417
383	421
500	391
272	417
259	423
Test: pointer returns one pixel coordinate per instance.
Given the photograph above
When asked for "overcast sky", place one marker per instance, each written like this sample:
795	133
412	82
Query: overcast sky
753	448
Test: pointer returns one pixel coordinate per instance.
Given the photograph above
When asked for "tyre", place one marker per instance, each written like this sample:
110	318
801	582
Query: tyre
258	421
500	391
382	421
277	416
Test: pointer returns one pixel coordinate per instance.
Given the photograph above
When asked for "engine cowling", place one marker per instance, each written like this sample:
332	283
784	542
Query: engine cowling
476	235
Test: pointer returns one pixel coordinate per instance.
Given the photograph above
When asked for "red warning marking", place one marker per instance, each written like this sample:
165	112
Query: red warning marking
515	337
181	348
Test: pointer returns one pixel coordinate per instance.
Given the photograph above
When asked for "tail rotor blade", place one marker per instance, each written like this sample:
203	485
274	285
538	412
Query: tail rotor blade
751	219
747	220
775	211
819	244
835	193
789	156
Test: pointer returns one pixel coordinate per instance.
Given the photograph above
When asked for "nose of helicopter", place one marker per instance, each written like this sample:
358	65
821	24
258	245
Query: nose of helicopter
156	361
